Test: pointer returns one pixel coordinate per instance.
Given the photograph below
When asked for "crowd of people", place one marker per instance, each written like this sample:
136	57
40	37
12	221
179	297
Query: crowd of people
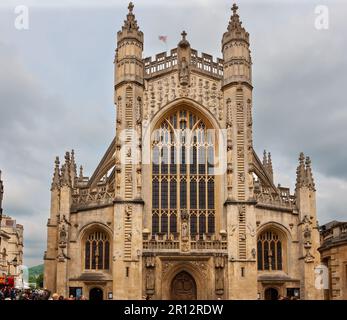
287	298
10	293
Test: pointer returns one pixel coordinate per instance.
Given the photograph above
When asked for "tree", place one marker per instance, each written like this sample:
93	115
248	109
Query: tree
39	281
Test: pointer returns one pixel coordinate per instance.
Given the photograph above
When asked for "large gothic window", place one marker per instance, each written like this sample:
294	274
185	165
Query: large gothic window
269	251
183	181
97	251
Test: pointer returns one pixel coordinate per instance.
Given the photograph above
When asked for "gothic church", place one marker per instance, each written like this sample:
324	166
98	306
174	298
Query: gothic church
181	206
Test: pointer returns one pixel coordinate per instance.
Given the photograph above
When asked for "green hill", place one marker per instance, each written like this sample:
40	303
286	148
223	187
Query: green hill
36	271
36	275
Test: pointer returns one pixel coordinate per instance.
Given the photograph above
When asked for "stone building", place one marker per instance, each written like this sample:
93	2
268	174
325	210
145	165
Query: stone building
181	206
11	245
2	234
333	252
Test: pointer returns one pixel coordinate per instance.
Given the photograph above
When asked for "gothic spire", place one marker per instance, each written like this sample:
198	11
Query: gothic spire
56	175
235	29
130	23
73	166
81	174
309	176
130	28
264	159
300	172
66	178
269	166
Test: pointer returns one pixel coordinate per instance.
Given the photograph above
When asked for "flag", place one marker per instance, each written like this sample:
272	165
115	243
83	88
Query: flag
163	38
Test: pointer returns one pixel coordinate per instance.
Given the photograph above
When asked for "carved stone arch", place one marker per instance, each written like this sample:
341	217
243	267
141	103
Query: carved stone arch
219	145
89	227
285	237
193	271
82	237
189	104
92	287
276	226
270	288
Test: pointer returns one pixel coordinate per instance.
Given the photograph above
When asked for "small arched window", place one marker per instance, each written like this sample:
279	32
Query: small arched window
269	249
97	251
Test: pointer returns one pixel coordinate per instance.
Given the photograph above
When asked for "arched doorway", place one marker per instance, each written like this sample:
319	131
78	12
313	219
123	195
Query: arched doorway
271	294
96	294
183	287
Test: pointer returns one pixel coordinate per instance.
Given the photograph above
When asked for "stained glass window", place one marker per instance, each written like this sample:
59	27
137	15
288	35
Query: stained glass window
269	248
182	174
97	251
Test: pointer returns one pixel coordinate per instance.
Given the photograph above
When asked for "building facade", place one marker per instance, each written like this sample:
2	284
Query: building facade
333	252
11	246
181	206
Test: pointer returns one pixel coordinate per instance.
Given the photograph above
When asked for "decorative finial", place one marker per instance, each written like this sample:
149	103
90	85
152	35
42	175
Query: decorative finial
264	158
234	9
269	158
56	175
184	42
301	172
130	24
81	173
184	34
269	164
309	176
235	29
131	7
66	178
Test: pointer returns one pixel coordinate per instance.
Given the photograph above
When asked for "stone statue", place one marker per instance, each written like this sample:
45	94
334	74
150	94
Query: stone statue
184	230
138	181
229	132
307	233
230	155
118	181
117	160
138	110
219	281
62	236
250	180
150	281
184	72
119	110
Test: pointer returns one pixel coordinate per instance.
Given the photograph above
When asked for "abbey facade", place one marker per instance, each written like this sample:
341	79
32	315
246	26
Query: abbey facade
181	206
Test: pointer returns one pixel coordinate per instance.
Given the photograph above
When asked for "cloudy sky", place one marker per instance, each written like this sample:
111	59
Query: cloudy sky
56	81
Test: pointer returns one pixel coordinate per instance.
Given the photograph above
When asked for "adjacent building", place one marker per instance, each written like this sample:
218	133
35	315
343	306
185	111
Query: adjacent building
333	251
181	206
11	247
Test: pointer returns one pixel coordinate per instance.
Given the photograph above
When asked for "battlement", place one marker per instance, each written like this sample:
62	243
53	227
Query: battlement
163	63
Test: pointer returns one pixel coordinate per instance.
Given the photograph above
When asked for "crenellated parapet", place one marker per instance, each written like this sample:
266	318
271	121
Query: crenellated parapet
165	63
